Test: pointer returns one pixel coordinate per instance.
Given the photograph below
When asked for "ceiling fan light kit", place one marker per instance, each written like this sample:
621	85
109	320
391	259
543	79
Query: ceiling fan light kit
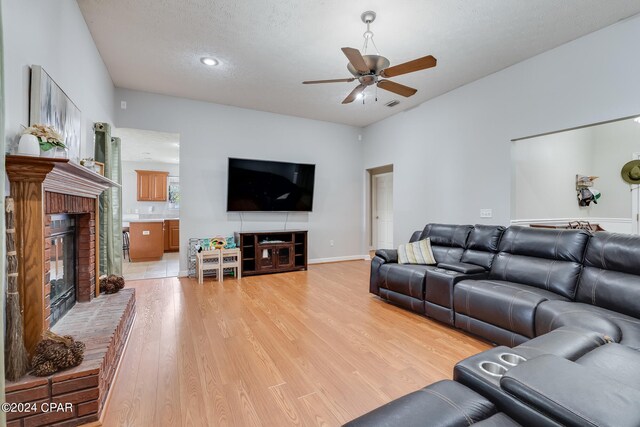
372	70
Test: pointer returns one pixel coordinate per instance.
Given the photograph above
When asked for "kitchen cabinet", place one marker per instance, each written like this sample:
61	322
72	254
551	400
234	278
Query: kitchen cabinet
146	241
171	235
152	186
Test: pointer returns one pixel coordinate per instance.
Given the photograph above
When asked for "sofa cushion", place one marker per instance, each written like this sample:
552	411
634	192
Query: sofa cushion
568	341
388	255
415	236
416	253
451	235
611	277
505	304
447	241
442	404
544	258
482	245
551	275
553	244
407	279
616	361
616	326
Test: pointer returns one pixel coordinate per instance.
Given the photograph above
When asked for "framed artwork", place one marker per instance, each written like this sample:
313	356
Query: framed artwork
99	168
51	106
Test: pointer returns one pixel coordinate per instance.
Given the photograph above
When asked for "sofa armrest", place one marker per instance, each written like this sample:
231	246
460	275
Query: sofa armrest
462	267
565	390
388	255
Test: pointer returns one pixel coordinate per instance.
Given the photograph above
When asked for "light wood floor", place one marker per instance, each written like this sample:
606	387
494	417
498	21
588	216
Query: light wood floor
304	348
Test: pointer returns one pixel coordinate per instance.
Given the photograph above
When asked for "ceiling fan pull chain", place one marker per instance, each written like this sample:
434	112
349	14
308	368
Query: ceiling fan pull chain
376	93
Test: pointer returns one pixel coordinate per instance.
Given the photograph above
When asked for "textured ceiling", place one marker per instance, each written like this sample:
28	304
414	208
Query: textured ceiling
148	146
267	48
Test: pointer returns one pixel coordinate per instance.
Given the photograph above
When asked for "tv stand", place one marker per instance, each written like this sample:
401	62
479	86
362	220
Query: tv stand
265	252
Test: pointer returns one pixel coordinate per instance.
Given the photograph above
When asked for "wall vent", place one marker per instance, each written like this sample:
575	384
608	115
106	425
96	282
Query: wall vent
392	103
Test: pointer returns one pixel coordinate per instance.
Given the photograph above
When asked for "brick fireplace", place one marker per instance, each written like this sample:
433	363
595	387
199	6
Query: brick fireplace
42	187
57	238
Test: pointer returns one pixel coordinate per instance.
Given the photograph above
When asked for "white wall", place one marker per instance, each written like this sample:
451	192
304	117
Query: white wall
451	155
615	144
53	34
545	171
545	167
130	201
210	133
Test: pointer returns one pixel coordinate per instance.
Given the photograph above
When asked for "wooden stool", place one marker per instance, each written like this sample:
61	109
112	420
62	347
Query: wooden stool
208	261
231	259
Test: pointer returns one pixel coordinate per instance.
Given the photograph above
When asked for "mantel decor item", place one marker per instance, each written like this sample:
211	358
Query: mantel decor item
631	172
29	145
50	141
51	106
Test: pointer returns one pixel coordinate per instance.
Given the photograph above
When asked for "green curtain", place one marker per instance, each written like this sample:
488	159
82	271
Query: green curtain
108	151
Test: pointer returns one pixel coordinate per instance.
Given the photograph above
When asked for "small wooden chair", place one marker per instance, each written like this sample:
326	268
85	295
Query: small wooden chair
208	261
231	259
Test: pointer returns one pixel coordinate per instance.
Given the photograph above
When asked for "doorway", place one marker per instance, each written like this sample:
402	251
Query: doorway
150	203
381	207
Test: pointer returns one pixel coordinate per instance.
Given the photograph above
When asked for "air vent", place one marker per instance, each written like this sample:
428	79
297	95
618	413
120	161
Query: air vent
392	103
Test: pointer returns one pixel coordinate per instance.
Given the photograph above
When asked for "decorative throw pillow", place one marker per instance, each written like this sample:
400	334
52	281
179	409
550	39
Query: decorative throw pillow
416	253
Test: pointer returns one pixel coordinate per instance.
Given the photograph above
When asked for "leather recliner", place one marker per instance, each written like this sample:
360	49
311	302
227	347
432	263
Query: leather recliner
404	284
460	251
608	292
533	266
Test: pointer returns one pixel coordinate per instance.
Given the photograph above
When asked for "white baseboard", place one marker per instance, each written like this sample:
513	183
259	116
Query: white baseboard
339	258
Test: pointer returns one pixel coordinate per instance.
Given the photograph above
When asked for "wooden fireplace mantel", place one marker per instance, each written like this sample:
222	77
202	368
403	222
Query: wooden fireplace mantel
58	175
31	178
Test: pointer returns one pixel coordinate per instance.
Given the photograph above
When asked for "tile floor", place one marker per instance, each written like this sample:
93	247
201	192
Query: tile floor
168	266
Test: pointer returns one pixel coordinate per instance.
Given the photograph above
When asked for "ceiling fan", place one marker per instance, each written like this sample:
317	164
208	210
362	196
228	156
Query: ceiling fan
374	69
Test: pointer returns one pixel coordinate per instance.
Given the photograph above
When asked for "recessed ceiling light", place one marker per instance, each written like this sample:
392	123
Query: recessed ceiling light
206	60
360	95
637	120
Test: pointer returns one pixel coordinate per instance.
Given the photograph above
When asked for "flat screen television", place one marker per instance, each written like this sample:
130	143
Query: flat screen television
266	186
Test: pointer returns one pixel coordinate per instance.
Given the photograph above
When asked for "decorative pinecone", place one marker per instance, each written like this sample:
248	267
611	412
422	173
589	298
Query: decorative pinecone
45	369
111	284
55	353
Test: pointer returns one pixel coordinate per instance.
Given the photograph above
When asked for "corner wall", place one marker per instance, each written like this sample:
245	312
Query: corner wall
451	155
53	34
210	133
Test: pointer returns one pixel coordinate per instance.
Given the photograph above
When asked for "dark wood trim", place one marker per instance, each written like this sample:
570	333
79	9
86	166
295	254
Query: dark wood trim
253	243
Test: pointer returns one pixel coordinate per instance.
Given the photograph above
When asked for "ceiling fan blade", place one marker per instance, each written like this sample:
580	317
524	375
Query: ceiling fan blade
312	82
396	88
354	94
356	59
409	67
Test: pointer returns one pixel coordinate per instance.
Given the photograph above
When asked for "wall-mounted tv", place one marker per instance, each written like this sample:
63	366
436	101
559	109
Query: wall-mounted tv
266	186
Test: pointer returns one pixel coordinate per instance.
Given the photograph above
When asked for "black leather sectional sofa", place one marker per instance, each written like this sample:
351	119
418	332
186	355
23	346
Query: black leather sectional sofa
563	306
